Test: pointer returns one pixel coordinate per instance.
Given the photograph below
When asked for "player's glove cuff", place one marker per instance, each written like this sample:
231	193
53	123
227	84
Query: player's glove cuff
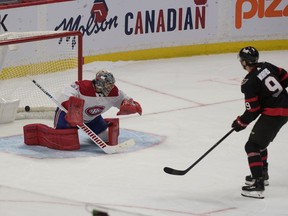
238	124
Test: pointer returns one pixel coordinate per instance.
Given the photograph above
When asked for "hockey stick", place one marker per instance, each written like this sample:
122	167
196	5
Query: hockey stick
96	139
183	172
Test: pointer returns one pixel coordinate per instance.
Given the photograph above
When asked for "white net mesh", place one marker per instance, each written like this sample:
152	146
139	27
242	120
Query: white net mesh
52	62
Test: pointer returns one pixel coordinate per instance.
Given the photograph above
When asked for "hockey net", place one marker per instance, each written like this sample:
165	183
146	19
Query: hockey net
53	59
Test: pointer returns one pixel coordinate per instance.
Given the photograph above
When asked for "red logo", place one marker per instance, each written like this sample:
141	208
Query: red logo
200	2
99	10
93	111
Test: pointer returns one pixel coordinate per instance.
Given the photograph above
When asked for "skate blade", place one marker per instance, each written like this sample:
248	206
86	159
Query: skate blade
253	194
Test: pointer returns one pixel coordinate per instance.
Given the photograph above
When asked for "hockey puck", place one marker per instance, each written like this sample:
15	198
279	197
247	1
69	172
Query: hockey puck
99	213
27	108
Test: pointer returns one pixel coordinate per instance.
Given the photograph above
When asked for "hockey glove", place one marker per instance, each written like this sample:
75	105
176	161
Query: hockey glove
129	106
238	125
74	114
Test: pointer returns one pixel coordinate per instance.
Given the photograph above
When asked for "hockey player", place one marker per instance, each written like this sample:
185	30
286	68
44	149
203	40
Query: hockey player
98	96
266	97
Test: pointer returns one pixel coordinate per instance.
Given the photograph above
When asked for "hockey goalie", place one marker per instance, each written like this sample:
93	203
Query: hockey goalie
85	102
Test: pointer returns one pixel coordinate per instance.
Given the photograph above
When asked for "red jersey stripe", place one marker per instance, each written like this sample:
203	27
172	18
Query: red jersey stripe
249	100
276	111
255	164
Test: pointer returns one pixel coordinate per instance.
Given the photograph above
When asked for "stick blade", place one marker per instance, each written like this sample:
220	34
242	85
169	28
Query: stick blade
119	148
126	145
172	171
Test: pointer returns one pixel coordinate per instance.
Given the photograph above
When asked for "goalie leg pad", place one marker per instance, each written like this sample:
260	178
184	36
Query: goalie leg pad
113	130
60	139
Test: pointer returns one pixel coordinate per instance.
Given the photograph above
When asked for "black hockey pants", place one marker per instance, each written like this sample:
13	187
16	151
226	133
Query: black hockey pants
262	134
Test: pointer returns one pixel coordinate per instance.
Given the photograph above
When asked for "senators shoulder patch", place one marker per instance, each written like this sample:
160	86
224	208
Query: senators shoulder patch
244	81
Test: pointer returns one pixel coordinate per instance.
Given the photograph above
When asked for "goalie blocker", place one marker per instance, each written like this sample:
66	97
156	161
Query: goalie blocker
74	115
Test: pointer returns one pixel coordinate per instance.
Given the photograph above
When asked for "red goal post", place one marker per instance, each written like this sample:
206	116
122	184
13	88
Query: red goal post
54	59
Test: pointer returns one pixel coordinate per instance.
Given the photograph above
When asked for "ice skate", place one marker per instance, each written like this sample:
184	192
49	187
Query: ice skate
255	190
249	180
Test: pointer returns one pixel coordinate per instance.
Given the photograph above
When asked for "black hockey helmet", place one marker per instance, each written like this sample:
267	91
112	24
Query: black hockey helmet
249	54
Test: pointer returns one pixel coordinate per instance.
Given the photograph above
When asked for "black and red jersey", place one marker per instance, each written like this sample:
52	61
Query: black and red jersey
265	92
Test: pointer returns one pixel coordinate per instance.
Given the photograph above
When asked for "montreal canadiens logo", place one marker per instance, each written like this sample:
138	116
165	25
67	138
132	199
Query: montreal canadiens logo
92	111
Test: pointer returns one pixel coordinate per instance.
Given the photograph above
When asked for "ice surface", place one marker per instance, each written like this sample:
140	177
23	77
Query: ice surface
192	102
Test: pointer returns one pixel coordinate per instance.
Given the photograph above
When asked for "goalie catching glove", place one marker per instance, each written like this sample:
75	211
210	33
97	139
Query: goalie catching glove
129	106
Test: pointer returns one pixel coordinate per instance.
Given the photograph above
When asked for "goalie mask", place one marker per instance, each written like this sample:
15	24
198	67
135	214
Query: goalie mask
104	82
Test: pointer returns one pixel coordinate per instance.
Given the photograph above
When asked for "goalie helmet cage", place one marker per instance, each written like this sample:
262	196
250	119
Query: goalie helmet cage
54	59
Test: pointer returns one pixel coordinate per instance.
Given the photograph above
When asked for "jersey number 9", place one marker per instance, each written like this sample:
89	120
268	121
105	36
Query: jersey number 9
273	85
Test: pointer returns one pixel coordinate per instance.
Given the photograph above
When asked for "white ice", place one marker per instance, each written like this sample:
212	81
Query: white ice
192	102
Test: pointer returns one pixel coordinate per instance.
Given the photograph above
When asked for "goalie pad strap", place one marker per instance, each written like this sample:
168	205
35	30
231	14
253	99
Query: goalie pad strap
60	139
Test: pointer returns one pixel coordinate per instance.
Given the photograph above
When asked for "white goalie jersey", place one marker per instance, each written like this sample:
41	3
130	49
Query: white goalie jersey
95	104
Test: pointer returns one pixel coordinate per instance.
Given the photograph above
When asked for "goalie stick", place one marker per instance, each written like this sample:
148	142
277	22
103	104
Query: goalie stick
183	172
96	139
